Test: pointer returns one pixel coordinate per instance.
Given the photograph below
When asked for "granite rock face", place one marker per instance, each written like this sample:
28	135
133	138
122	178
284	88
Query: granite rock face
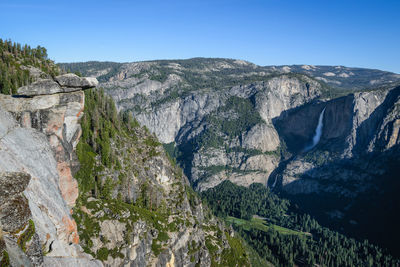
187	118
56	116
261	137
284	93
38	136
12	184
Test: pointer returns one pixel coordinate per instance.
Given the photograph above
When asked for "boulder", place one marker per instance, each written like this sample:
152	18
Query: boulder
15	214
41	87
12	184
35	73
74	81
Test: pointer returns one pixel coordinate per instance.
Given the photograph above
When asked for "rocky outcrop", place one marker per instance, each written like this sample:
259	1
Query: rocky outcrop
261	137
215	165
57	117
38	135
61	84
284	93
71	80
35	73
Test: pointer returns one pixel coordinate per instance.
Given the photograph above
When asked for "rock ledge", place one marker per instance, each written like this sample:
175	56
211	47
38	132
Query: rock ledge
61	84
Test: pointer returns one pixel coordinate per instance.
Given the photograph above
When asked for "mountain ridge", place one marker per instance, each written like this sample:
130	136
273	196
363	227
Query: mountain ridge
333	75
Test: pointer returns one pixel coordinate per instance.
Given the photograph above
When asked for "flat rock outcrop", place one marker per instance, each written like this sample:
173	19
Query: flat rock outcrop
72	80
61	84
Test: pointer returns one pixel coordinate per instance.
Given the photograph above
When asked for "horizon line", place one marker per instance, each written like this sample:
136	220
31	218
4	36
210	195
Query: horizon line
222	58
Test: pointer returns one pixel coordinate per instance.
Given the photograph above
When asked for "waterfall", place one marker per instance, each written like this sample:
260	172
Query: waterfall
273	185
318	132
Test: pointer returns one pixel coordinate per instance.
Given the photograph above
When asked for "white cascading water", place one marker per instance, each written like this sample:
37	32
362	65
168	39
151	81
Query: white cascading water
316	138
318	132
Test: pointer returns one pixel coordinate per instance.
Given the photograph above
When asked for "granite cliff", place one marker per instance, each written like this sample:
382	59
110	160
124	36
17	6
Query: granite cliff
221	126
232	120
356	127
353	168
39	132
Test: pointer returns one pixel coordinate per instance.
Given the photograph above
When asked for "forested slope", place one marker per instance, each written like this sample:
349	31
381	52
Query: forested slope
21	64
285	235
128	183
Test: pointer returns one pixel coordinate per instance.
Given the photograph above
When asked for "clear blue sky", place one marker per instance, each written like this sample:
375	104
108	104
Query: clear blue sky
267	32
